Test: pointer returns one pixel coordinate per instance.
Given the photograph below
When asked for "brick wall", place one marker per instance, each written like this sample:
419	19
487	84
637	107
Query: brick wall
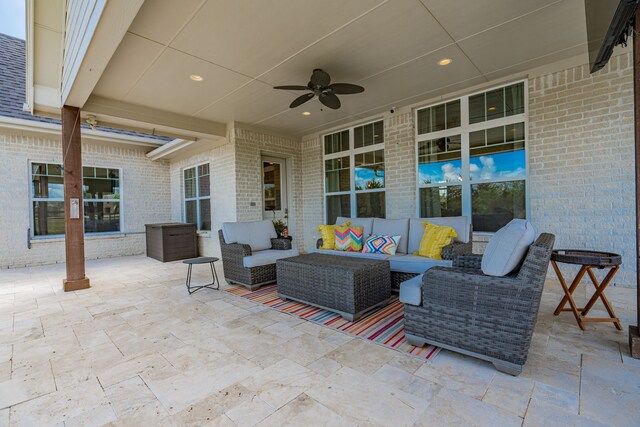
145	197
250	145
312	190
581	173
580	148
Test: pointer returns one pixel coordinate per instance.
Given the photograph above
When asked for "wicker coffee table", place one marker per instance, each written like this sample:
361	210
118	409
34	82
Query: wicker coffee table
345	285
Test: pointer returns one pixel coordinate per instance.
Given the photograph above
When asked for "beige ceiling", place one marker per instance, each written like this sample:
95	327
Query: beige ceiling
242	48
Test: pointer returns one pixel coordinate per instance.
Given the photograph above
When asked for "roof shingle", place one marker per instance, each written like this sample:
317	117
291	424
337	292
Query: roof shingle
12	88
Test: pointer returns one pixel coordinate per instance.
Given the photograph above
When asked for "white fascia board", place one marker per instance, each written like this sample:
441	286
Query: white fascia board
95	41
169	149
94	135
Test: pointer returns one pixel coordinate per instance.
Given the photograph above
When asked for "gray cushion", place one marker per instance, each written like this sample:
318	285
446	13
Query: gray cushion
506	249
266	257
257	234
393	227
415	264
367	223
411	291
352	254
460	224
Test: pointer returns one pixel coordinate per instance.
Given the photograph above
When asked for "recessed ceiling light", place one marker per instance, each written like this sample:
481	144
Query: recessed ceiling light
306	113
196	78
491	108
445	61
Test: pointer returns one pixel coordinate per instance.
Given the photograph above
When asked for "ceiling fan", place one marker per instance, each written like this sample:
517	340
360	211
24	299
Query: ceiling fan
320	85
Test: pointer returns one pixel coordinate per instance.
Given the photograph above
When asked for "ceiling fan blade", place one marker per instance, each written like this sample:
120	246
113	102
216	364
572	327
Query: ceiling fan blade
330	100
291	87
345	88
319	78
301	100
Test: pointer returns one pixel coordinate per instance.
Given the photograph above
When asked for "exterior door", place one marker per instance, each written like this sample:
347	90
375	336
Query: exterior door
274	188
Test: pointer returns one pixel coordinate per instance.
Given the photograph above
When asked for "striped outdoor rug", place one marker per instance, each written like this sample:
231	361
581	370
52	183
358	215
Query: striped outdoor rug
384	326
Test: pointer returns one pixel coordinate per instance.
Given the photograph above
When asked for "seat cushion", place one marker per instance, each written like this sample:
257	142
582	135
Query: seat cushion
411	291
257	234
328	236
461	224
393	227
415	264
348	238
365	223
507	247
266	257
351	254
377	244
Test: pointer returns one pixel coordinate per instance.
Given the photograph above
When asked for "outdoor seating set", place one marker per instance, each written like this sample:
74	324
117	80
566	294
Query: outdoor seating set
483	306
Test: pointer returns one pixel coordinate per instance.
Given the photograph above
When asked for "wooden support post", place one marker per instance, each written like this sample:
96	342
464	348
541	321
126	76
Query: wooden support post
634	335
73	215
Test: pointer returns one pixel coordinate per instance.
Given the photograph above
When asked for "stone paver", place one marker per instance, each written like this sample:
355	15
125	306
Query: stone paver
135	349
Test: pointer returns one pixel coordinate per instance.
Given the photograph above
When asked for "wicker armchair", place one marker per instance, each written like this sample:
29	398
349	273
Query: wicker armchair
487	317
253	277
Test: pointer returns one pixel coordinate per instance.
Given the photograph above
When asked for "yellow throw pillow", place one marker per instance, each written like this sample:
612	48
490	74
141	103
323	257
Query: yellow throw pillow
435	238
328	235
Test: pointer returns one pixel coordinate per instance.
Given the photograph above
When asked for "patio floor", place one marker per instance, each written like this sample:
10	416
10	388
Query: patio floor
135	349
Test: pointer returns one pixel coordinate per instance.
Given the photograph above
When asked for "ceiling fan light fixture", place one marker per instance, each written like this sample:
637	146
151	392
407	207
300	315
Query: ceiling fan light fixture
196	78
445	61
320	85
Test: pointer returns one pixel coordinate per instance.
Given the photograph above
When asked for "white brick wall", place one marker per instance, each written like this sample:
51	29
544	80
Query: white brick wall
581	184
581	172
145	197
250	145
222	175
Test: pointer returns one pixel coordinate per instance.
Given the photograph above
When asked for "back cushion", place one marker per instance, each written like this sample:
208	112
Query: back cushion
507	248
460	224
365	223
393	227
257	234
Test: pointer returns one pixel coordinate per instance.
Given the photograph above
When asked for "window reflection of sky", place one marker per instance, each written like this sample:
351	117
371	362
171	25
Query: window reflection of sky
494	166
365	175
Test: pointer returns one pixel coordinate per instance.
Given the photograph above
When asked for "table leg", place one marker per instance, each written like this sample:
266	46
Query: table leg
568	291
188	282
214	273
600	287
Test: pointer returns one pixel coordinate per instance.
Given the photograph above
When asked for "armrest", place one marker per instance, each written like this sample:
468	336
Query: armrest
281	244
319	243
456	249
237	249
468	261
469	289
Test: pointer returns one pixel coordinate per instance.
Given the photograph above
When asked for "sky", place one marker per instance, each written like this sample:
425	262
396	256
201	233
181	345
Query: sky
12	20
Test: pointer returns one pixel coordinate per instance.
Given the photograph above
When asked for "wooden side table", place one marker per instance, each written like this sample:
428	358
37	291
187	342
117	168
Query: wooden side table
588	260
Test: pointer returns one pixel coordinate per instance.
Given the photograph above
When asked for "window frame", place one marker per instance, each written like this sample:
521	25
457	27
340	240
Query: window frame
198	198
351	152
464	130
37	199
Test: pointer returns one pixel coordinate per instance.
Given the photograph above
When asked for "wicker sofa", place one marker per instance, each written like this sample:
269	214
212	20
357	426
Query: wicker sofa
405	265
250	251
488	317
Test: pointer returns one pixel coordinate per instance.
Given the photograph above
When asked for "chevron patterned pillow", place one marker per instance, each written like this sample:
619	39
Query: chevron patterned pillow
348	238
376	244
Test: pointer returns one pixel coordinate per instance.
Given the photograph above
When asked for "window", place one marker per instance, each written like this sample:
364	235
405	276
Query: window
354	172
101	194
472	157
197	196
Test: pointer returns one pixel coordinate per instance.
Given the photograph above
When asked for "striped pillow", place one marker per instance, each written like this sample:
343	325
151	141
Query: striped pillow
375	244
435	238
348	238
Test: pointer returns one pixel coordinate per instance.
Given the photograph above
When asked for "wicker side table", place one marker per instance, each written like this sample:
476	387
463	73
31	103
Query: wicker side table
588	260
345	285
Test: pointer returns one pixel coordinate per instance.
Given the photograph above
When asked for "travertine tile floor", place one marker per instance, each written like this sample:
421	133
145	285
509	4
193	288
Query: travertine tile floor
136	349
